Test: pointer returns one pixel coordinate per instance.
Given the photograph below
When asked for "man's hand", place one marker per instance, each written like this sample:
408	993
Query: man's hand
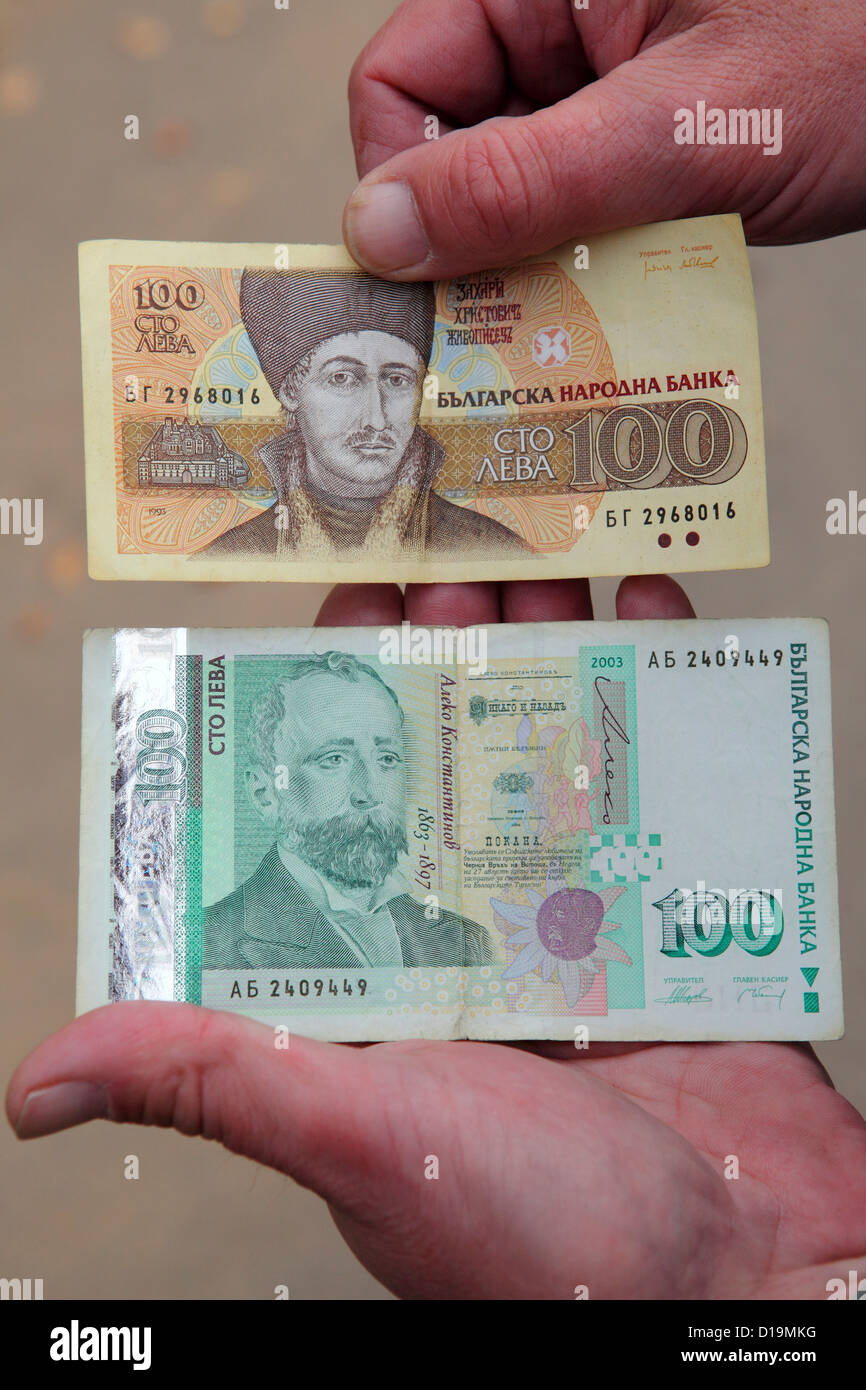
557	1168
534	151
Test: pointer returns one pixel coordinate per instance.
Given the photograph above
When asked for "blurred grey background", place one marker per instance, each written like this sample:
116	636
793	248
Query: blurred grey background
244	137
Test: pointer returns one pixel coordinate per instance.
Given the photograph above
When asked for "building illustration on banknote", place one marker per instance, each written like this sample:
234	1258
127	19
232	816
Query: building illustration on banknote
185	453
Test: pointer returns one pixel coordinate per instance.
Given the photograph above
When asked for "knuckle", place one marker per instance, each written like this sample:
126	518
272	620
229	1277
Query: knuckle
498	176
179	1094
484	177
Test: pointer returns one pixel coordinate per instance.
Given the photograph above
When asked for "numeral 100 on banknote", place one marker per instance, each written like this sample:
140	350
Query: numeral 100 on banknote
161	764
638	446
707	922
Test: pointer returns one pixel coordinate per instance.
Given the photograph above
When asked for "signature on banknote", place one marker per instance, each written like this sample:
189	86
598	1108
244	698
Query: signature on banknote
761	992
610	724
681	994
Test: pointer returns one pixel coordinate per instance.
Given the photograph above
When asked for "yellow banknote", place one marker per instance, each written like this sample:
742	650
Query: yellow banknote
272	412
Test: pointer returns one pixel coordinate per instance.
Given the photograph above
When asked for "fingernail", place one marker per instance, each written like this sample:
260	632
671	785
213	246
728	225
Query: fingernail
382	228
53	1108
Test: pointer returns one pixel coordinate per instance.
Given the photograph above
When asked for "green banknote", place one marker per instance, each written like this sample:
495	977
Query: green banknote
552	830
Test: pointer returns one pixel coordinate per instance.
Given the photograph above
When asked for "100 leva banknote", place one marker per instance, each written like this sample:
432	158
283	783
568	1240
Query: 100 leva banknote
272	412
499	833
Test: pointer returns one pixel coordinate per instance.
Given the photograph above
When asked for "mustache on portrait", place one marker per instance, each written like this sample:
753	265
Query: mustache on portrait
356	849
385	437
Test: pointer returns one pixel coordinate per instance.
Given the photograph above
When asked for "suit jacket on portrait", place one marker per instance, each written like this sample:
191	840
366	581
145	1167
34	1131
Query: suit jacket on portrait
412	520
269	922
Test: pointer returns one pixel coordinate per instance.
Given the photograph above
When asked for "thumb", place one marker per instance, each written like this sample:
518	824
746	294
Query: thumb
513	186
310	1109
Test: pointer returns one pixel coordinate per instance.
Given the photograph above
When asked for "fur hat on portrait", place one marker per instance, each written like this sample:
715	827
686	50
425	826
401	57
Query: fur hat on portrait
289	313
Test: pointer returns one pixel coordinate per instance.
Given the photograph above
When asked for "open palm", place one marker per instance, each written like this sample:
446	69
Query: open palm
483	1170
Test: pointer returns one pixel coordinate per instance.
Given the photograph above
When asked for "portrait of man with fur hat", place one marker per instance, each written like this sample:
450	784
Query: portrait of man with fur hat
346	356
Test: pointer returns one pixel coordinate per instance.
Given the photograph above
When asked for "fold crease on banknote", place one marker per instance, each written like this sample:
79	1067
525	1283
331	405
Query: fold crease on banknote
271	411
557	830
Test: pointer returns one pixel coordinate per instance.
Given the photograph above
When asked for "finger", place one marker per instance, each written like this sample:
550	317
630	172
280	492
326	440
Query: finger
310	1109
361	605
452	605
546	601
513	186
652	596
494	60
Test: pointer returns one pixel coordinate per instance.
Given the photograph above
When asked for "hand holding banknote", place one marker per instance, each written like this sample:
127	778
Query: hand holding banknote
532	148
464	1171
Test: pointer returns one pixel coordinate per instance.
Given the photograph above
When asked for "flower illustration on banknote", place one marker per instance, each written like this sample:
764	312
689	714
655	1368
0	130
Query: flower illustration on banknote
560	931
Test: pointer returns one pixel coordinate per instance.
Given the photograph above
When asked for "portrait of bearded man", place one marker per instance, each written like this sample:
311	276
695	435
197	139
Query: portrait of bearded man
326	773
